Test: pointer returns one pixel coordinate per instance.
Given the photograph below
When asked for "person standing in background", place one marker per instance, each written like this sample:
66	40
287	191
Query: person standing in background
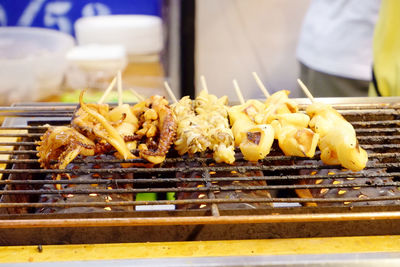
386	52
335	47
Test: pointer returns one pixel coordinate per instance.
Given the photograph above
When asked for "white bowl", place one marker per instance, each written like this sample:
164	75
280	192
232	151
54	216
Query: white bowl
139	34
32	63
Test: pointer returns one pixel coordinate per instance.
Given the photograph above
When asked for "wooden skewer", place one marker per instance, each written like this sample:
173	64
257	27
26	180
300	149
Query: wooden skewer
204	83
137	95
238	92
170	93
306	91
119	78
261	85
108	90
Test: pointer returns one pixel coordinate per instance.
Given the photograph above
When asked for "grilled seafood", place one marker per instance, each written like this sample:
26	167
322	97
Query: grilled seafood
277	103
157	117
82	122
97	135
214	111
257	142
203	124
254	140
190	132
64	144
242	118
291	127
294	137
338	143
102	129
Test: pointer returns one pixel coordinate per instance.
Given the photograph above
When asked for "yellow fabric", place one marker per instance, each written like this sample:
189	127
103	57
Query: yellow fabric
387	49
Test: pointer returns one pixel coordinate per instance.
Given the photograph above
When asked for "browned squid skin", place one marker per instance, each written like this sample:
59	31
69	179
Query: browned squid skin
133	137
82	122
59	146
167	127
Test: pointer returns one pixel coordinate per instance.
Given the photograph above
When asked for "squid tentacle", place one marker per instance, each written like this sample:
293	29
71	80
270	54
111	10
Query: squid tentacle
113	137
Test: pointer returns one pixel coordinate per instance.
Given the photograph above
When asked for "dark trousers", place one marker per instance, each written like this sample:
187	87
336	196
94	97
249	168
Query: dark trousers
325	85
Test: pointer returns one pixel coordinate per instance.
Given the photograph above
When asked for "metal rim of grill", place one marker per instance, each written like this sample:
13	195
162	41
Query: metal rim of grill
377	123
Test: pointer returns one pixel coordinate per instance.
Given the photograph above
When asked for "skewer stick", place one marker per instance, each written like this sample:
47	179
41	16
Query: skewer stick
119	78
108	90
204	83
137	95
261	85
238	92
306	91
170	93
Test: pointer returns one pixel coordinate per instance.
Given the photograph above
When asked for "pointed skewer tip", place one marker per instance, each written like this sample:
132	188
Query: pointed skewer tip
107	91
203	83
261	85
305	90
170	93
238	91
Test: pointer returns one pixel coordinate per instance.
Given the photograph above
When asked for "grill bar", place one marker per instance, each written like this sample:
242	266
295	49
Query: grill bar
17	152
193	201
213	179
21	135
241	169
377	130
192	189
44	114
196	220
100	161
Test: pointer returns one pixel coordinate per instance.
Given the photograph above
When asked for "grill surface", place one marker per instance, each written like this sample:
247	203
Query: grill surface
212	201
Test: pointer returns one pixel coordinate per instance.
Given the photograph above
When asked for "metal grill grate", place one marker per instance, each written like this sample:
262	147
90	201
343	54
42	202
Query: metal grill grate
205	192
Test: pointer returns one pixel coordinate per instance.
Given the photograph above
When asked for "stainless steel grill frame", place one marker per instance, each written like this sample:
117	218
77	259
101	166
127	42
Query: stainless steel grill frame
377	123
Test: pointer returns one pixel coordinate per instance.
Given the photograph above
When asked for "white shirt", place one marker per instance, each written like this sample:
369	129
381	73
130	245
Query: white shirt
336	37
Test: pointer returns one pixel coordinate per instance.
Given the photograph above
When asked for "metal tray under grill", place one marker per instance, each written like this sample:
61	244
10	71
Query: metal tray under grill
212	201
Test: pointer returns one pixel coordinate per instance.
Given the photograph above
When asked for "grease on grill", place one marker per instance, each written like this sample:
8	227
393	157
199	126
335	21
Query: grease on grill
92	197
363	188
214	186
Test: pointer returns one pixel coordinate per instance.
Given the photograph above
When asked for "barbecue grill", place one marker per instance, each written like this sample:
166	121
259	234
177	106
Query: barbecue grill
211	201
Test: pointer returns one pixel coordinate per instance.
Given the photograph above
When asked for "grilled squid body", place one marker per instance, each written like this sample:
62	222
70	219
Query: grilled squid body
294	136
290	127
257	142
243	117
277	103
254	140
338	142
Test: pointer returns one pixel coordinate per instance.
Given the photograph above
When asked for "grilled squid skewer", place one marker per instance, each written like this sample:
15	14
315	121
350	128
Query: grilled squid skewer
338	143
190	132
214	111
290	127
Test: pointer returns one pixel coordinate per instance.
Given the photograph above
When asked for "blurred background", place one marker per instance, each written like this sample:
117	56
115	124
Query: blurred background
149	41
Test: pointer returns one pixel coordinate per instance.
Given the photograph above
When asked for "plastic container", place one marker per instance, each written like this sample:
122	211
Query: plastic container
32	63
93	66
142	38
139	34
